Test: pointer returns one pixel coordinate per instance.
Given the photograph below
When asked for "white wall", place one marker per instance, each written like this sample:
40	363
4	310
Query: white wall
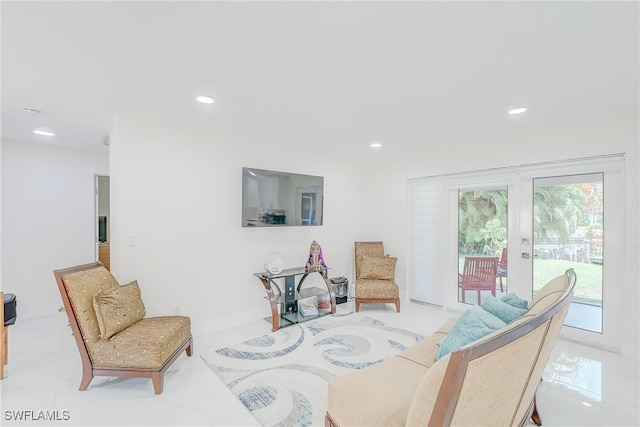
591	139
176	195
176	218
48	218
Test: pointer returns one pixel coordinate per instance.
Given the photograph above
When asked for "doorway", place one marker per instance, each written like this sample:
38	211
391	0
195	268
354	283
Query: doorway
482	242
308	208
102	220
549	217
568	231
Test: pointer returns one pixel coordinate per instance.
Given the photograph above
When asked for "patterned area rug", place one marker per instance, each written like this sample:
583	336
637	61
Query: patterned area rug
282	377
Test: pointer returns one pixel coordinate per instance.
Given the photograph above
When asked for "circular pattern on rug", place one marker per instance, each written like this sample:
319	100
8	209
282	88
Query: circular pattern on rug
281	377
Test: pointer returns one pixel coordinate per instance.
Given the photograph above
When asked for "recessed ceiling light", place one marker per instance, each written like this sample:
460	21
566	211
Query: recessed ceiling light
518	110
375	145
43	132
204	99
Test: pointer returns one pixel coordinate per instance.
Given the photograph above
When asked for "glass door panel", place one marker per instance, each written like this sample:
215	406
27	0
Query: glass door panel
568	231
482	243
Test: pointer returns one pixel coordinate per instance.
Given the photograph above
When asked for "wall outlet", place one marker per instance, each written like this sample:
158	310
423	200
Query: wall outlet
176	309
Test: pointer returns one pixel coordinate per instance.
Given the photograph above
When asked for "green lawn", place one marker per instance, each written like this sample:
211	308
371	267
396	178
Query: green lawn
589	277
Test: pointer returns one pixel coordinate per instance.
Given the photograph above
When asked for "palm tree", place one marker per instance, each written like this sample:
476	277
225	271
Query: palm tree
557	210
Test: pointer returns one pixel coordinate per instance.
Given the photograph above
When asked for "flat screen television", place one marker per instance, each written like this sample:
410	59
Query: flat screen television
279	199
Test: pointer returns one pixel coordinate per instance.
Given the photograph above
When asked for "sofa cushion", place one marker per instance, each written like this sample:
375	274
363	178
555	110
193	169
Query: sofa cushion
474	324
147	343
501	309
512	299
374	288
377	395
424	352
118	308
381	268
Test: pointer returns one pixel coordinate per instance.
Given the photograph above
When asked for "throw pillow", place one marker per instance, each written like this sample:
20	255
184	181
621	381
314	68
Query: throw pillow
118	308
514	300
492	322
471	326
501	309
381	268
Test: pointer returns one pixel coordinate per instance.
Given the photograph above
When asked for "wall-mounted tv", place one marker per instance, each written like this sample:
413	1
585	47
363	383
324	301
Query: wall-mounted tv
277	199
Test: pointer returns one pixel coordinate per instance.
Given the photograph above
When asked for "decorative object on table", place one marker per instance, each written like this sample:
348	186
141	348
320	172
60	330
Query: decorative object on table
275	263
307	308
324	302
341	287
315	260
282	377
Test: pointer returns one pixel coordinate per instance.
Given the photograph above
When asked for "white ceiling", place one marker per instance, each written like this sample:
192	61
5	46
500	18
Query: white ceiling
339	74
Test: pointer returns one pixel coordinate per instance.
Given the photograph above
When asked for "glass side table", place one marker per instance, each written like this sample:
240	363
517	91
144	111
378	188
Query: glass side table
284	305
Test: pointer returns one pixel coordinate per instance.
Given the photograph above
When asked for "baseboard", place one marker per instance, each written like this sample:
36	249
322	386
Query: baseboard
37	312
211	326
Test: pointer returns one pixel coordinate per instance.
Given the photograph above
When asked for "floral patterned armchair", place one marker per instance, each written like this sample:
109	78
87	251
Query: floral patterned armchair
375	275
112	333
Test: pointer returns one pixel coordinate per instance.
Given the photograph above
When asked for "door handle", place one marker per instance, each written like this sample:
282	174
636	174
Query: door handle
527	255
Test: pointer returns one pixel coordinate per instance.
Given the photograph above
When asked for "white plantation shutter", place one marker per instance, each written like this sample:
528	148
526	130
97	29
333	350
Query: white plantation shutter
426	240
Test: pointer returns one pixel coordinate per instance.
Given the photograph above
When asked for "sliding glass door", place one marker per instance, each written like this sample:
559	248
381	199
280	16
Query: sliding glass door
491	232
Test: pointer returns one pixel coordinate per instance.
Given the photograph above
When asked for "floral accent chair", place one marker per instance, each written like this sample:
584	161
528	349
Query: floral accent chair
113	335
375	275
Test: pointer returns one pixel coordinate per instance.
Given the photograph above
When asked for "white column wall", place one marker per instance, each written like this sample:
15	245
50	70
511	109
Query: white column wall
48	218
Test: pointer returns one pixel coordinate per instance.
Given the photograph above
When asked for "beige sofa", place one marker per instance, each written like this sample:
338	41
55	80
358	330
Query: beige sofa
491	381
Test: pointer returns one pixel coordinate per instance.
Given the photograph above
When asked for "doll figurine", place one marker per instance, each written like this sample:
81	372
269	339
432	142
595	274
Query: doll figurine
316	260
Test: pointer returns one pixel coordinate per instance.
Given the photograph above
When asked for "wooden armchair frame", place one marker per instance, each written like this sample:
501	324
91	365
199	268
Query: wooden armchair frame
89	370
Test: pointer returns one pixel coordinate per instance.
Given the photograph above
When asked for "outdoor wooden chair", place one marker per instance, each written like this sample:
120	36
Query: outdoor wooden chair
502	268
479	274
113	336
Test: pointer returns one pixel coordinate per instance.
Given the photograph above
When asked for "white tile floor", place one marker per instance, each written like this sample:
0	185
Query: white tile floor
582	386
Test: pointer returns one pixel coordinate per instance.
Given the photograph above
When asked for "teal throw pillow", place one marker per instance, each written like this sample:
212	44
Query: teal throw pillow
514	300
474	324
490	321
501	309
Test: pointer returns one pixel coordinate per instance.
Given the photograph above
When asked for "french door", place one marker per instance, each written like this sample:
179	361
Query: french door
572	217
546	217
